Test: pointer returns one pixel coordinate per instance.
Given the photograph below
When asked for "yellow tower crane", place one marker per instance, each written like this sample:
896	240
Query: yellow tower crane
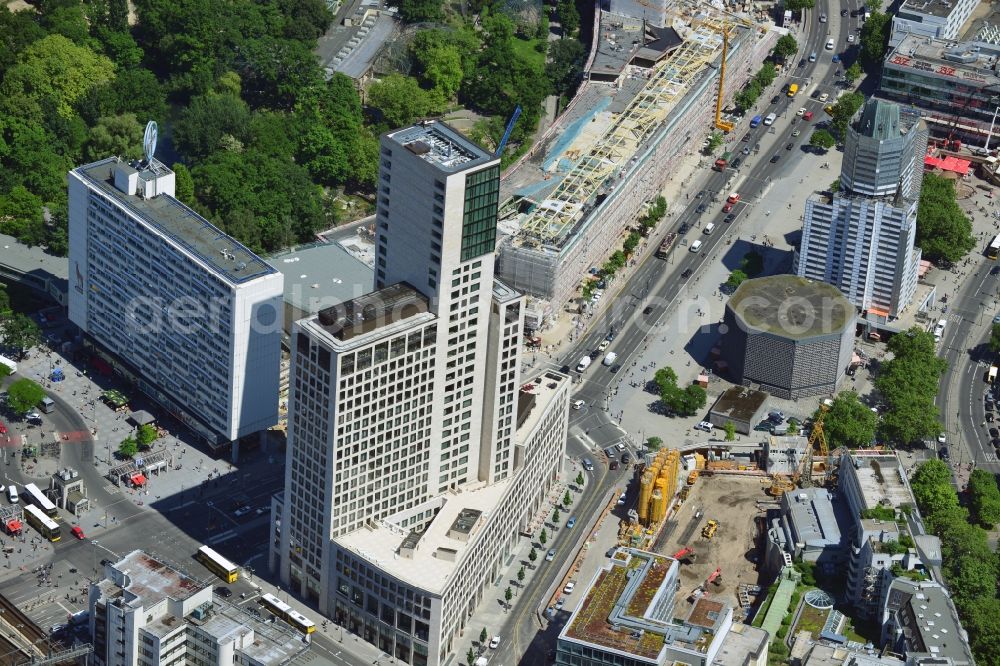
726	29
817	437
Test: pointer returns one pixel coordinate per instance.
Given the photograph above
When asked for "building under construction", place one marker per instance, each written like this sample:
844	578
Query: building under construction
650	92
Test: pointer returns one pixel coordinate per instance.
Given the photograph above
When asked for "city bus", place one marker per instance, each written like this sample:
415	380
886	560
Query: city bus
993	251
287	613
47	527
36	497
217	564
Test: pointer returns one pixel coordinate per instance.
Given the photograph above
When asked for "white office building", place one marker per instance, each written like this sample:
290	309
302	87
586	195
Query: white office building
144	612
172	302
861	238
937	19
416	456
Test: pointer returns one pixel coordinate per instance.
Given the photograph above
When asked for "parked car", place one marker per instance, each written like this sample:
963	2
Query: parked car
613	465
578	404
775	158
494	642
571	523
730	218
686	274
569	588
223	591
626	458
551	555
704	425
646	310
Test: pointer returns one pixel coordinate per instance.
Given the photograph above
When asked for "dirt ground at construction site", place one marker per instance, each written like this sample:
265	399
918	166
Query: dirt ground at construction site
739	504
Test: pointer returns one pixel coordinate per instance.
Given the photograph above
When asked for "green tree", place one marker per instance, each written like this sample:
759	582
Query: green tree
785	47
981	619
752	263
567	500
399	99
736	278
908	383
874	38
146	435
24	395
118	15
715	140
21	333
852	73
995	338
439	63
579	479
21	216
5	372
822	139
984	498
183	183
766	75
686	401
556	515
843	110
470	658
482	636
569	17
798	5
746	98
520	576
543	536
849	422
654	443
5	309
115	135
508	594
55	68
730	429
532	555
208	118
565	65
943	230
128	447
419	11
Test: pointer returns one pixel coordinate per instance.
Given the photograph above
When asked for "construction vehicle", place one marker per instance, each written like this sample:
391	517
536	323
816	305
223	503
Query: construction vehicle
698	592
720	164
713	578
683	552
780	485
709	530
817	440
721	124
692	477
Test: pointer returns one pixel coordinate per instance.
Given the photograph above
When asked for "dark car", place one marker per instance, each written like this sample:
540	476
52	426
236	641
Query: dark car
684	228
816	93
996	443
843	12
594	354
615	368
735	164
646	310
994	433
702	208
775	158
775	99
746	137
565	369
764	426
784	88
613	465
943	453
730	218
802	63
686	274
700	195
223	592
626	458
789	146
995	270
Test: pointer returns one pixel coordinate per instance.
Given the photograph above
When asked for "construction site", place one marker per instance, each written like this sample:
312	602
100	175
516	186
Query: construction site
650	94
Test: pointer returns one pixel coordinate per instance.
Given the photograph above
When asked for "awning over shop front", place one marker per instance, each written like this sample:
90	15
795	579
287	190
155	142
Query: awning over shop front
138	479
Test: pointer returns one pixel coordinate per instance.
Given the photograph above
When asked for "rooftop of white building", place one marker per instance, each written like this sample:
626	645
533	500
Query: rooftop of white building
880	477
182	226
964	62
427	560
272	643
440	145
938	8
149	581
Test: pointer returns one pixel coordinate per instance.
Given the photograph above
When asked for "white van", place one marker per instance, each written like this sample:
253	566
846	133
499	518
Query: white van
12	493
769	120
610	358
939	330
829	44
709	228
695	246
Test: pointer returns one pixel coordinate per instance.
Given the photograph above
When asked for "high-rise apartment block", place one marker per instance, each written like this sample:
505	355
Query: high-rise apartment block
861	238
416	455
184	310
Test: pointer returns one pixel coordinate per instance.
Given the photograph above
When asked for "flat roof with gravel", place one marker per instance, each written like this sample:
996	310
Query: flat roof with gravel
791	306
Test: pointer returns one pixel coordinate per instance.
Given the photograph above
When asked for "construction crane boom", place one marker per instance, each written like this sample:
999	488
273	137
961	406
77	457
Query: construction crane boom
510	128
721	124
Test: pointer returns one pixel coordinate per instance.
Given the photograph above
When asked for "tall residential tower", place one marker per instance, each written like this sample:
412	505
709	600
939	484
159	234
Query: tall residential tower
861	238
416	456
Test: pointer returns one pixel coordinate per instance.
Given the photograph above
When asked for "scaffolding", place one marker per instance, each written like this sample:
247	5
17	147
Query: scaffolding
551	221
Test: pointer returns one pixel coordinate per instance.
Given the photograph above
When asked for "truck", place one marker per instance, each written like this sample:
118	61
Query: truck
9	363
720	164
665	246
709	530
992	376
583	364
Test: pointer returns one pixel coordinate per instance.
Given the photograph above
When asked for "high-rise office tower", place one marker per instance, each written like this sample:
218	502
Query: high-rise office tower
861	238
416	456
193	317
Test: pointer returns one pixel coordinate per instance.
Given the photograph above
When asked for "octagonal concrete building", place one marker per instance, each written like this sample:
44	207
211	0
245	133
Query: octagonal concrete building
789	336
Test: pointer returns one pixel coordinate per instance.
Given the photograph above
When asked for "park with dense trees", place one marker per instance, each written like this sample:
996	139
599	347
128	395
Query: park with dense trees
264	145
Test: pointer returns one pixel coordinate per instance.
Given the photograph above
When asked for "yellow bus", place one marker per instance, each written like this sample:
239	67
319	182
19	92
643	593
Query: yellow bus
287	613
217	564
792	89
47	527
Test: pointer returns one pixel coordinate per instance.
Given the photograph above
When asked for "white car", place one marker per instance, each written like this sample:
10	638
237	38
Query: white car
33	417
850	39
801	112
620	446
569	588
604	345
242	511
941	439
551	555
796	132
824	97
621	499
494	642
578	404
705	425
